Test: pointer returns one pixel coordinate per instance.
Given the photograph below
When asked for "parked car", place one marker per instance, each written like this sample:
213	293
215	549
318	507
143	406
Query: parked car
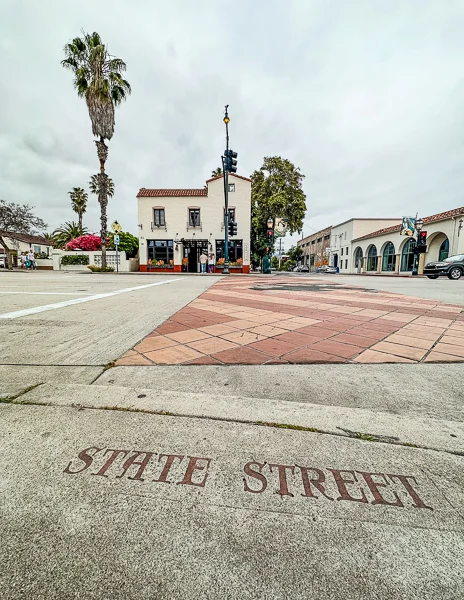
453	267
304	269
2	262
331	270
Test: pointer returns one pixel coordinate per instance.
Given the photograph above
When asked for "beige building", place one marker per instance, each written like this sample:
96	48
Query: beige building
21	242
177	225
340	254
316	248
386	251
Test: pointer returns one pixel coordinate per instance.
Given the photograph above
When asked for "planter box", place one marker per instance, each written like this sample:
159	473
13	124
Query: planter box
159	269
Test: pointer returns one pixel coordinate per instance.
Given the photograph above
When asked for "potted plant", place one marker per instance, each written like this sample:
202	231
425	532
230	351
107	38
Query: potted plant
185	262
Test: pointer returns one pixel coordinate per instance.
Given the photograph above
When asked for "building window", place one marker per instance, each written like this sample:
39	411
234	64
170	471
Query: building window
358	258
231	187
346	251
444	250
341	251
37	249
319	240
407	256
194	217
372	258
327	237
235	250
313	242
346	264
388	258
160	250
158	217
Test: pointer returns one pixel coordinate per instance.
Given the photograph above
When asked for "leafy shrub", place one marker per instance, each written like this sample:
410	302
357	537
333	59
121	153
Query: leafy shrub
96	269
85	242
128	243
75	259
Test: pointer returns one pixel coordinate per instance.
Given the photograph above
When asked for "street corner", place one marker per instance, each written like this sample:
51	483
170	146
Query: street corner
251	321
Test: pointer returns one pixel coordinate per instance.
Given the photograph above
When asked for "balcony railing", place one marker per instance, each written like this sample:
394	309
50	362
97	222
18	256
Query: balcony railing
159	226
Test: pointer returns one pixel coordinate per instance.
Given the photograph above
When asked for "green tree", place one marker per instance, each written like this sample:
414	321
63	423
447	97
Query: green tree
128	243
79	199
216	172
276	193
67	232
295	253
16	218
98	78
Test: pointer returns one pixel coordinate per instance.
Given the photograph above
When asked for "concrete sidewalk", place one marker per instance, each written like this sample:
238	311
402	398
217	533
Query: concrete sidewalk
102	504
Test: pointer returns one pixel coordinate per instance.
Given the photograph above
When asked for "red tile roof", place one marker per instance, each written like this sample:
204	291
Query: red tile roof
160	193
432	219
26	238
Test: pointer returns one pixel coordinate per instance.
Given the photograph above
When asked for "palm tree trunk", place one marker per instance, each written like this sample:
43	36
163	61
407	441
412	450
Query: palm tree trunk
103	200
102	151
80	221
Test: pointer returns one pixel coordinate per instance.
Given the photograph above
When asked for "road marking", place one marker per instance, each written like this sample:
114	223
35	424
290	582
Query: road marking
46	293
39	309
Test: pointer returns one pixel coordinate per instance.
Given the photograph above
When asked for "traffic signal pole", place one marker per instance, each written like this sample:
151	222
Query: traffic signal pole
225	171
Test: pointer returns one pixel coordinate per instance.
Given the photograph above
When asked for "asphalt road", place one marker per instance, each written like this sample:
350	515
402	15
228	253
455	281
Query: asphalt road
49	318
442	289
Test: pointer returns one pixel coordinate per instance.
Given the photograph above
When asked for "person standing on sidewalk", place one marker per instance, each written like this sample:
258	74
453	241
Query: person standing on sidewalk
211	263
31	259
203	260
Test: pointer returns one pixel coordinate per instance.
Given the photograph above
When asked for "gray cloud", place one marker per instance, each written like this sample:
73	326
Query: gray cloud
366	98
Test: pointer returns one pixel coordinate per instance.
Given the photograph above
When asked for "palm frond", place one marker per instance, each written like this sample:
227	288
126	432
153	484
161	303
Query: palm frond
97	77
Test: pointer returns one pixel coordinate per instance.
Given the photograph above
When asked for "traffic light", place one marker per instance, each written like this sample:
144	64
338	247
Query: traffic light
230	161
232	228
422	238
270	236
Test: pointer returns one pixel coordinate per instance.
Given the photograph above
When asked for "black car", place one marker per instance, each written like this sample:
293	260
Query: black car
453	267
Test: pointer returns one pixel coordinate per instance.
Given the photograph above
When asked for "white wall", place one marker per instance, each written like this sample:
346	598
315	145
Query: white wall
211	217
125	265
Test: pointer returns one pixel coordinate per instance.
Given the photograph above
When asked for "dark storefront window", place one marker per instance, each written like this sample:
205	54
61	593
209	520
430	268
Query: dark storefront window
235	250
160	250
407	256
389	258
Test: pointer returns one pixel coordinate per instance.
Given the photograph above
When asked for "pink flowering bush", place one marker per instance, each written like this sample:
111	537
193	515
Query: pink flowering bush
85	242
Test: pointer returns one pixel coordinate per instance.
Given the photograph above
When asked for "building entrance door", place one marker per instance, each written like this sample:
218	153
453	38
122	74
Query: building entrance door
192	251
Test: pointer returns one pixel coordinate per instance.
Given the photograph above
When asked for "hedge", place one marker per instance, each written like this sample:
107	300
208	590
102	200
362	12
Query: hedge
75	259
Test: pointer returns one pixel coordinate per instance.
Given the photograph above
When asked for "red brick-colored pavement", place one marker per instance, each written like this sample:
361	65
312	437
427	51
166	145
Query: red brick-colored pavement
239	321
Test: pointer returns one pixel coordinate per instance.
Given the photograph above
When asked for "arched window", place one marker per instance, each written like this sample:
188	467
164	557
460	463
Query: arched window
407	256
372	258
388	259
358	258
444	250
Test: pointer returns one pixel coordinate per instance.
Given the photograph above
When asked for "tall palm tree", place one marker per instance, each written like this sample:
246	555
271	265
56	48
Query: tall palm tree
98	78
79	198
216	172
67	232
95	185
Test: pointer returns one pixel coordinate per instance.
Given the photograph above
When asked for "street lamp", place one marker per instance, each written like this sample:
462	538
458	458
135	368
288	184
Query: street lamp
225	172
415	267
270	236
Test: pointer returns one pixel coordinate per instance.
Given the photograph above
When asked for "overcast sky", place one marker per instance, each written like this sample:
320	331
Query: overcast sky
367	98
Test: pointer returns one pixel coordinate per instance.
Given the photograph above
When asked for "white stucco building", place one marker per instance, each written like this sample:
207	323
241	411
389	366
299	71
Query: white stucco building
177	225
340	254
386	251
